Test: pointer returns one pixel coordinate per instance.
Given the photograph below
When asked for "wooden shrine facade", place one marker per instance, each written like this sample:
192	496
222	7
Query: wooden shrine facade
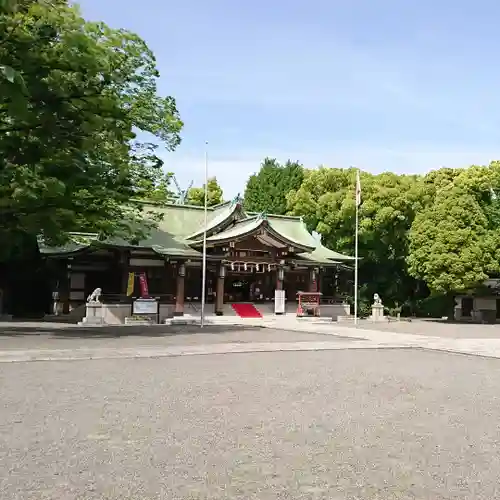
249	256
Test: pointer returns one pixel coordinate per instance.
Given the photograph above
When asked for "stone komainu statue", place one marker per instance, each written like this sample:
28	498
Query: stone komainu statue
94	296
376	299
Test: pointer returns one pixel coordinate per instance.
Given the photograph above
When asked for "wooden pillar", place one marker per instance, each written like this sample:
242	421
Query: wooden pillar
179	301
219	291
64	286
124	265
167	276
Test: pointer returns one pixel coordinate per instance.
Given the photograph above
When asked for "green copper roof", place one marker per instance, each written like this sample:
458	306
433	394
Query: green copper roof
77	242
218	216
239	230
251	225
293	229
181	228
325	256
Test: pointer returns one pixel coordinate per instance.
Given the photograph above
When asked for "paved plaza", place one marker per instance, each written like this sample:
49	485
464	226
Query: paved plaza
318	412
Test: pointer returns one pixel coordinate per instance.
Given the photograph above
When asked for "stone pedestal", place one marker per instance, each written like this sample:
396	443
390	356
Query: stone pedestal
377	312
94	315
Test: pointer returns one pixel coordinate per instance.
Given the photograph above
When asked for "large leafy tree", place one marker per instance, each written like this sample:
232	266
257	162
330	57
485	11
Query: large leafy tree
266	191
196	195
454	241
73	95
326	200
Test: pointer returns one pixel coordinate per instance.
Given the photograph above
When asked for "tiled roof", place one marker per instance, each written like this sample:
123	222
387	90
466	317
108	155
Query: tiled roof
181	227
77	243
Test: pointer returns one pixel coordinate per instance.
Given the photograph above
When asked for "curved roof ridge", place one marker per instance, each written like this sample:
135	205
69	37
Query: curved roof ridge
219	217
221	204
292	217
246	219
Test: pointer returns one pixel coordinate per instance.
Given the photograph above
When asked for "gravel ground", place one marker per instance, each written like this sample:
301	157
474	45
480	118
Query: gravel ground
330	425
433	328
70	340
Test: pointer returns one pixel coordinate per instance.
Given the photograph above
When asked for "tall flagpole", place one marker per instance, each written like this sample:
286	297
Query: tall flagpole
204	268
358	203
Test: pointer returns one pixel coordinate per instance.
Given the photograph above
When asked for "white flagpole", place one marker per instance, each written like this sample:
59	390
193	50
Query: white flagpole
358	200
204	268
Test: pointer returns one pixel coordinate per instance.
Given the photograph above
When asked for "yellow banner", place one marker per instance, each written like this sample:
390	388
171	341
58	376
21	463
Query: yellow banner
130	284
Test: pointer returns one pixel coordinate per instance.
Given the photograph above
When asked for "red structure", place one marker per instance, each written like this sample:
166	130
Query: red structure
308	303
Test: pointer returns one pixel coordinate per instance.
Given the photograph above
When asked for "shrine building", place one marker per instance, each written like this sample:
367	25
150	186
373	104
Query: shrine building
249	256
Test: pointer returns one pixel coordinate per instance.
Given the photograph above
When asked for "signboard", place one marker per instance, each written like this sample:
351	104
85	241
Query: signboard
279	301
145	306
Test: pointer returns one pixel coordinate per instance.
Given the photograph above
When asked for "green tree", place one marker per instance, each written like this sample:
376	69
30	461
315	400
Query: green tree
151	182
266	191
454	242
326	200
73	94
196	195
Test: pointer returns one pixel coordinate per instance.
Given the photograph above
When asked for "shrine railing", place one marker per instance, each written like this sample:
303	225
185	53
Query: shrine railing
332	300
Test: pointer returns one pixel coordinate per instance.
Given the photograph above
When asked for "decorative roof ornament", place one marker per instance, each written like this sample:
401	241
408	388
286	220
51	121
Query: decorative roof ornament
263	215
237	199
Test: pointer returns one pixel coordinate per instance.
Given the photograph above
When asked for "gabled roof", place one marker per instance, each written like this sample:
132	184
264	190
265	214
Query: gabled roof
181	227
295	230
265	230
219	217
240	229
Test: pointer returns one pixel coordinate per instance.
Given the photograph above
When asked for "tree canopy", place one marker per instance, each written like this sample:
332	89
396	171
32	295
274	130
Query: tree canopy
73	95
266	191
326	200
454	242
196	195
420	236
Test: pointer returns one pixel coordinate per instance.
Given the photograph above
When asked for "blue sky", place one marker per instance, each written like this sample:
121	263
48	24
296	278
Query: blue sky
399	85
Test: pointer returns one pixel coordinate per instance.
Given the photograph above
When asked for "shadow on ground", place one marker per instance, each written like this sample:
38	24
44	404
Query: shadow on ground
118	331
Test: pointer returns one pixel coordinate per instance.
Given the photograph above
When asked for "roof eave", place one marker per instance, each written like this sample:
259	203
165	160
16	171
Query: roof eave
263	224
289	242
224	241
318	263
220	225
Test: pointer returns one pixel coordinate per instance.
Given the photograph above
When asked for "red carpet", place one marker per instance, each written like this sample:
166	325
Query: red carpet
246	311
